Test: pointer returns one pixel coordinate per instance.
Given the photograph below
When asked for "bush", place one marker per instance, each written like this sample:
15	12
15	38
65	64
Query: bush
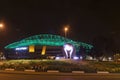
90	69
65	69
114	70
19	69
62	66
2	68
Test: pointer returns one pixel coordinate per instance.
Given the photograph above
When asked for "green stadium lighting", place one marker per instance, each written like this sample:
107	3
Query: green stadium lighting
46	40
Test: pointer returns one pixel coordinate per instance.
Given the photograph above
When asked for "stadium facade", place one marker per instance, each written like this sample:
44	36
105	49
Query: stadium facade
43	46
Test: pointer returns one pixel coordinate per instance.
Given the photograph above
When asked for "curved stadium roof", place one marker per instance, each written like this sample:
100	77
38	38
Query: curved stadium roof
46	40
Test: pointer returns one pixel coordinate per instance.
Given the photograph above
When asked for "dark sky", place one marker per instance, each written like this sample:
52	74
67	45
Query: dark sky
87	18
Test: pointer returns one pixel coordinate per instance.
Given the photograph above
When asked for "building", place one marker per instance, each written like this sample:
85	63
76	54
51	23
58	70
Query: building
42	46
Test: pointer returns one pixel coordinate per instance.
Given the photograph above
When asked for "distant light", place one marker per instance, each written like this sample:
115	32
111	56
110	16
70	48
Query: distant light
109	58
104	59
1	25
75	57
66	29
81	57
57	58
21	48
89	57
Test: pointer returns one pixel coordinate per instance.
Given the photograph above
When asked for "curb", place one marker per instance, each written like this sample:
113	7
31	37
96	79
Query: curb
78	72
55	71
27	70
7	69
102	72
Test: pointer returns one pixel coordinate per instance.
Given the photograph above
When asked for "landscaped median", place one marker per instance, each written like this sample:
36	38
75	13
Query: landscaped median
54	66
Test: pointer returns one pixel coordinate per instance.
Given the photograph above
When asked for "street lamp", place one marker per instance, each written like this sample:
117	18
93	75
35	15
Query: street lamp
1	25
66	29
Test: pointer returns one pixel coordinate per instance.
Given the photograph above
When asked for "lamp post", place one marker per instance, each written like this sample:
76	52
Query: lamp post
66	29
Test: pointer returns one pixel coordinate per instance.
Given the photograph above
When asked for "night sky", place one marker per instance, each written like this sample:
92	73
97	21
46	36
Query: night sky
86	18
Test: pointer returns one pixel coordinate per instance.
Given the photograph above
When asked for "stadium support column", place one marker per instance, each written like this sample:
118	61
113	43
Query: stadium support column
43	50
32	48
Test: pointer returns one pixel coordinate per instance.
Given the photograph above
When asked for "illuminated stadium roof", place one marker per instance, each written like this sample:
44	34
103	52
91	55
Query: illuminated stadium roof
46	40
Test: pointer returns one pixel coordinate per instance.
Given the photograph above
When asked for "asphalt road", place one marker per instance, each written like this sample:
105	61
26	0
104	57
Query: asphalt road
56	76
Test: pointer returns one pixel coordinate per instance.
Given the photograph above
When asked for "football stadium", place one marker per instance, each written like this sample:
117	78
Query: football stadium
45	46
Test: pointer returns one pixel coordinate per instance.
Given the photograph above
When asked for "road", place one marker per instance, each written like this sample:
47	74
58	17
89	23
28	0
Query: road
57	76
